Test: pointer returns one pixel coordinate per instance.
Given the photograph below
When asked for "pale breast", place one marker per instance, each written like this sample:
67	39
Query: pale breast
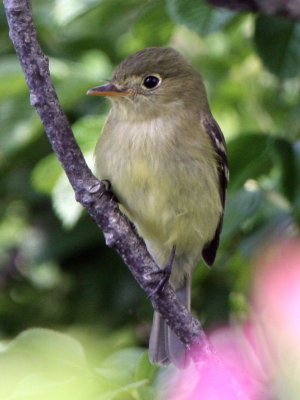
164	174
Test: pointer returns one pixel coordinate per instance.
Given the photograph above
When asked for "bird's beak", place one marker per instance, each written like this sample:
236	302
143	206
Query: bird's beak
108	90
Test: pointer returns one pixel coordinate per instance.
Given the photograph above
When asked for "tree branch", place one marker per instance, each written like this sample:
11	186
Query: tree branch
283	8
89	191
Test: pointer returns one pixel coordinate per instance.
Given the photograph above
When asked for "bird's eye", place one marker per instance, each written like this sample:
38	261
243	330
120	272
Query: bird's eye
151	81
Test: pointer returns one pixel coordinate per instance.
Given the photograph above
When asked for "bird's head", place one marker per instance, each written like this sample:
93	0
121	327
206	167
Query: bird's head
151	82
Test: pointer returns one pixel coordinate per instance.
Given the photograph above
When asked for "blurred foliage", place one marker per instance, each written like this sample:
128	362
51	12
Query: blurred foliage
55	270
53	365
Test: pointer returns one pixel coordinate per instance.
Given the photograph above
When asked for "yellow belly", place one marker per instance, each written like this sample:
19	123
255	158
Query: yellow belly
171	195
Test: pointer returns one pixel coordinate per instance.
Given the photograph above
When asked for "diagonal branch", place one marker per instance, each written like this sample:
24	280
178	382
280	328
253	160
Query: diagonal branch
89	191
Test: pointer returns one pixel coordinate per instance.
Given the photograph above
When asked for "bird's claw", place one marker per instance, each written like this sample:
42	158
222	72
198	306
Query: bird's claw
164	273
106	189
107	185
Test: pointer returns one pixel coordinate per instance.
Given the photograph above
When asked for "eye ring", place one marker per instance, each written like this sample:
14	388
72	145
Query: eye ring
151	81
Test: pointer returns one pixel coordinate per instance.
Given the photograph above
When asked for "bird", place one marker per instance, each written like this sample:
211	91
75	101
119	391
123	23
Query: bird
166	160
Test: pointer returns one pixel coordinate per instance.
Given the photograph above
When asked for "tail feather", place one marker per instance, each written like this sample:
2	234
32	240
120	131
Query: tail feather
165	346
157	342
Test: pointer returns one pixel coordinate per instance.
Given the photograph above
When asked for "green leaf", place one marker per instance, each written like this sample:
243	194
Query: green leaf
120	366
249	157
46	173
73	79
19	124
153	18
124	392
275	223
87	130
12	81
50	346
64	203
108	19
278	44
118	374
198	15
145	372
240	206
37	385
40	363
66	11
48	177
284	159
144	369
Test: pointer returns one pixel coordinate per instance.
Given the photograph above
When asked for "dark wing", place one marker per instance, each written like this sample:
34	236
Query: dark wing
216	136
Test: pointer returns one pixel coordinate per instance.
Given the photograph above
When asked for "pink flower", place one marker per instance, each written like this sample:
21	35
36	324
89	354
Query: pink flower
260	359
276	294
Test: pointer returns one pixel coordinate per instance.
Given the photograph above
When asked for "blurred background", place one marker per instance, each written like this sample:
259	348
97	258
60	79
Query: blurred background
55	270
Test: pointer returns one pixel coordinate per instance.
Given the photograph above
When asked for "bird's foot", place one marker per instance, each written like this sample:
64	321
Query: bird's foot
164	274
106	189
